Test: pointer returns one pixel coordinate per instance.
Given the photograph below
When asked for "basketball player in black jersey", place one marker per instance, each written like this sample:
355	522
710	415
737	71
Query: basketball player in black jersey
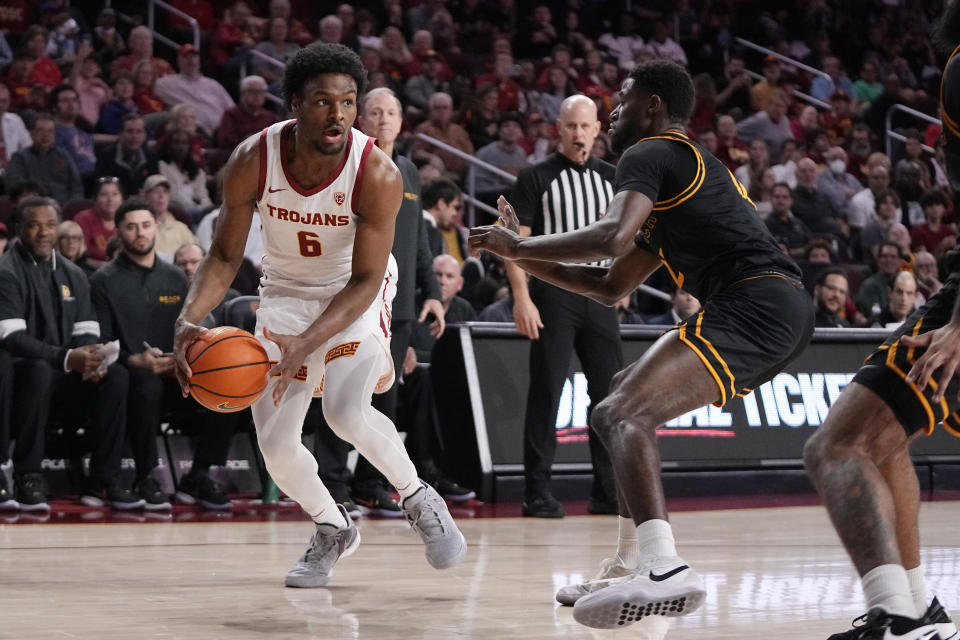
677	206
859	458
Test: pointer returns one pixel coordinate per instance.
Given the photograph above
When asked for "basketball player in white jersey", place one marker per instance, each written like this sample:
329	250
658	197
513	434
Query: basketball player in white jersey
328	200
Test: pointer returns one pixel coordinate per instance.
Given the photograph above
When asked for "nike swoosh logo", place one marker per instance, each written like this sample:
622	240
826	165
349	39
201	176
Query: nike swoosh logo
224	406
272	190
926	635
668	574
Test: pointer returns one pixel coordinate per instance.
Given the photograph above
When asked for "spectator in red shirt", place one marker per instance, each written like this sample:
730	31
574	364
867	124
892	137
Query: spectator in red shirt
199	10
561	59
97	223
933	235
141	48
731	150
236	34
34	68
248	117
508	96
144	86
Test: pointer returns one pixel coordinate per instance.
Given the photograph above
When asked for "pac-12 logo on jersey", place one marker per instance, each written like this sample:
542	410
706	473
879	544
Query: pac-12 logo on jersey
339	197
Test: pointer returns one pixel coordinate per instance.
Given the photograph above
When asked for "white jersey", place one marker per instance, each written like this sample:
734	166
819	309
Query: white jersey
307	234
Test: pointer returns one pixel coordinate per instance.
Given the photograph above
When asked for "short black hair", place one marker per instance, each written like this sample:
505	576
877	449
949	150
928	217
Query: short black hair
439	189
511	116
319	58
946	30
132	204
31	203
127	117
57	90
931	197
829	271
17	189
668	80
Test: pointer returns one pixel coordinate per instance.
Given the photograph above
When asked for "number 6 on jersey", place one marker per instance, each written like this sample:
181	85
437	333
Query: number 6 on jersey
309	245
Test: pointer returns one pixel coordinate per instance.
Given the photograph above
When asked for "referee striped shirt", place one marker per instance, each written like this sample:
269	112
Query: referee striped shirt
559	195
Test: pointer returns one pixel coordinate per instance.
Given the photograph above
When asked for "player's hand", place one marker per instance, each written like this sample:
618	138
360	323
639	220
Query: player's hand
436	308
527	318
943	352
184	333
293	352
508	216
84	360
495	239
409	361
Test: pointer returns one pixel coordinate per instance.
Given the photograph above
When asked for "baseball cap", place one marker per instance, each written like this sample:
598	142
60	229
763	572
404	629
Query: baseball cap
186	49
155	181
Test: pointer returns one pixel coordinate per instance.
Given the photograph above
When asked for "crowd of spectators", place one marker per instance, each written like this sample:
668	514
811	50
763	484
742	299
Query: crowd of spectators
93	112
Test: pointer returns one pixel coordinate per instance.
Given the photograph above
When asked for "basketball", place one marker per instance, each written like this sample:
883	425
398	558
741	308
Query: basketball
229	369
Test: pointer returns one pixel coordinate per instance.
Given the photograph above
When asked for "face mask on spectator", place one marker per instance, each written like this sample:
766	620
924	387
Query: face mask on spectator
838	166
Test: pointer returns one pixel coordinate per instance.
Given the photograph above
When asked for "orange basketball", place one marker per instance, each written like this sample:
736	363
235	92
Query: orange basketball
229	369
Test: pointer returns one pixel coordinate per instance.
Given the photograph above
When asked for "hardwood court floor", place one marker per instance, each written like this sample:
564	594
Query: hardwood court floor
770	573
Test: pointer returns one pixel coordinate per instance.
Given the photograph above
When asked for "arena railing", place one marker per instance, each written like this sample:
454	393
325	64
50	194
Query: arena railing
159	37
787	60
470	192
260	55
893	135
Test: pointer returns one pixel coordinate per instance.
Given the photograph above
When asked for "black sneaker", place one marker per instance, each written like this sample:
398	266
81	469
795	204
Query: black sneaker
877	624
153	498
377	501
31	492
98	494
543	505
602	507
941	620
7	503
202	490
453	492
341	496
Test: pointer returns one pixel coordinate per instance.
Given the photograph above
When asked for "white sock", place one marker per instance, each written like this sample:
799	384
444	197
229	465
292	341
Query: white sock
656	539
628	544
329	513
918	589
888	587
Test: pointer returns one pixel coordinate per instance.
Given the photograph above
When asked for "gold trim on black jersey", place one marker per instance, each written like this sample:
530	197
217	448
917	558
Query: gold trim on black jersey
947	120
686	194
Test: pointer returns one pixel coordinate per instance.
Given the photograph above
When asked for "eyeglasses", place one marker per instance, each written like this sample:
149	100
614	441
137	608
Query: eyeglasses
106	179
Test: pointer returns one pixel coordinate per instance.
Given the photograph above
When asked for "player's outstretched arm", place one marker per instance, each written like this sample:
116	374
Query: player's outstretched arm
603	284
609	237
380	197
219	268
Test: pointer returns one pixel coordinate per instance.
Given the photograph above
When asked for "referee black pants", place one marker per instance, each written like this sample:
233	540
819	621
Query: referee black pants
570	322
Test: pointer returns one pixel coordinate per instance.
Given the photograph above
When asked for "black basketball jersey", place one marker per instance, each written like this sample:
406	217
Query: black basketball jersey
703	227
950	114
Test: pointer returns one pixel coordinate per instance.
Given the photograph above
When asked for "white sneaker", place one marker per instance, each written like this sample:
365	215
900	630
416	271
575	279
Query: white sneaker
612	571
664	587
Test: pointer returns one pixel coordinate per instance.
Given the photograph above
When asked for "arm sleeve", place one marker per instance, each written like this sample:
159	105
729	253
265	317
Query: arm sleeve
524	198
643	167
13	326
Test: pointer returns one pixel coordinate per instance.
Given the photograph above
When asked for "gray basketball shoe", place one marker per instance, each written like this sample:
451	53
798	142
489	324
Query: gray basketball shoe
427	513
611	572
328	544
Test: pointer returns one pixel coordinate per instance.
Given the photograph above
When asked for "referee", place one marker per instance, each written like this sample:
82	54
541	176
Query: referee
567	191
